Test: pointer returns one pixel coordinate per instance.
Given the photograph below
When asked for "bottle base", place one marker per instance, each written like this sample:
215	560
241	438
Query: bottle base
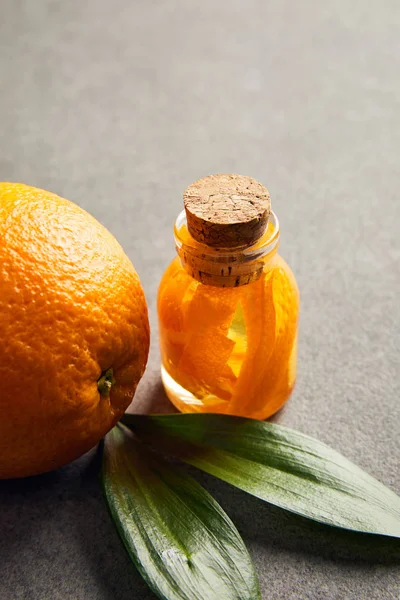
186	402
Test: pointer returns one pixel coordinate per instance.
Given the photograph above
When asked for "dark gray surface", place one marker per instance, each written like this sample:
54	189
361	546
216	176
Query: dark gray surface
119	106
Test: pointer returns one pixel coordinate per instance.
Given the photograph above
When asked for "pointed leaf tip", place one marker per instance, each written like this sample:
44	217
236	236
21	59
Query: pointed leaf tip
179	538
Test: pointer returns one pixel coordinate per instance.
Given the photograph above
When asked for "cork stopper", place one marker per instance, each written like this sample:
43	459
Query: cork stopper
227	211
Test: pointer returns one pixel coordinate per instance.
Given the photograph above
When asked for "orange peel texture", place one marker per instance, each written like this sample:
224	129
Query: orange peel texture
71	308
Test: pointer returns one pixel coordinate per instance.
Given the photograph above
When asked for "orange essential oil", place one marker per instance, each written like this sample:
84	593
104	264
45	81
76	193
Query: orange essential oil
228	304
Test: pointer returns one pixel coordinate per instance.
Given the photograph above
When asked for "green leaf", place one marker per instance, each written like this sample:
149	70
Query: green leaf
177	535
277	464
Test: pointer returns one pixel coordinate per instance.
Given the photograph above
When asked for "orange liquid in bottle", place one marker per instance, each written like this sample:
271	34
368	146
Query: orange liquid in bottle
228	350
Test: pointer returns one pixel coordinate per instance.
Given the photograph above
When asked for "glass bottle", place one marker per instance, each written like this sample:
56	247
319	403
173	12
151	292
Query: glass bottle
228	304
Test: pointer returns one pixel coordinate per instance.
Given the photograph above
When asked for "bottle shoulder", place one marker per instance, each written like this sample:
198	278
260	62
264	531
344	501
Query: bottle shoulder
176	280
282	265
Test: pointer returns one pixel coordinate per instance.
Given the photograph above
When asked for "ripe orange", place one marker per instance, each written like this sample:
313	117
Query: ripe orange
73	327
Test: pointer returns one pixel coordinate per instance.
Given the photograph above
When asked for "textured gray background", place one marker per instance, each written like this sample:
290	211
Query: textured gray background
119	106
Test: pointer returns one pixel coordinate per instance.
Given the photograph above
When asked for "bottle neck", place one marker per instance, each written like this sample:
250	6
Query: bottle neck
226	267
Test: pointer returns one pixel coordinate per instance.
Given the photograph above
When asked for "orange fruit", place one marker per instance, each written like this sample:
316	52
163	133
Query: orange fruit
74	331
